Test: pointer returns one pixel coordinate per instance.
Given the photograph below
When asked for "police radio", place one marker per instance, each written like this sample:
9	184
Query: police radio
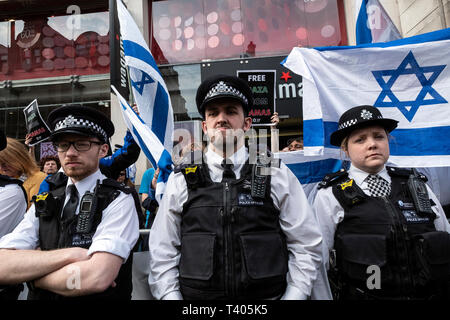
260	175
419	194
86	214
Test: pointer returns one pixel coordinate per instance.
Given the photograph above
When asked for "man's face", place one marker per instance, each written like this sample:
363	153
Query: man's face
50	167
225	123
295	145
80	164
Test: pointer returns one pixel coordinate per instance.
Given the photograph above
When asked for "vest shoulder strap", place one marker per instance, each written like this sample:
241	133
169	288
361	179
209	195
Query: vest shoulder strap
193	174
348	193
405	173
333	178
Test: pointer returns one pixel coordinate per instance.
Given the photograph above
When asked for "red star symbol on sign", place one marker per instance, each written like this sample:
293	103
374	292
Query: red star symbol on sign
285	76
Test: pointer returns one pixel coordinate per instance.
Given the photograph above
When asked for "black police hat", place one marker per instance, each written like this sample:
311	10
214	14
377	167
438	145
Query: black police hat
223	86
357	118
2	140
80	120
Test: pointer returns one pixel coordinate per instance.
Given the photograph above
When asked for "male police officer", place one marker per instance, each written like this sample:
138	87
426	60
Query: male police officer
85	226
13	204
214	238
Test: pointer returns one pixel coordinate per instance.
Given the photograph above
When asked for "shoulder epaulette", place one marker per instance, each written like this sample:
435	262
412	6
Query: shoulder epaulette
114	184
406	172
193	175
333	178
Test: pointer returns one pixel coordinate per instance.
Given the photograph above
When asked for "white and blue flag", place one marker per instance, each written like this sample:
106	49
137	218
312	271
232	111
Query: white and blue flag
373	24
407	79
309	170
153	128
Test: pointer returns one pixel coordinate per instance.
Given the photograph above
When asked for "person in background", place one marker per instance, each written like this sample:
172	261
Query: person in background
147	191
16	162
385	231
13	204
50	165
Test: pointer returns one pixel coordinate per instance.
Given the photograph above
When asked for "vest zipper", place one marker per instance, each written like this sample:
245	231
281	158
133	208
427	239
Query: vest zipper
401	246
228	244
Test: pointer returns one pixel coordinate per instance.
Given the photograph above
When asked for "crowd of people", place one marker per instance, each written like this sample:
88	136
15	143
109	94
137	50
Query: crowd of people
227	227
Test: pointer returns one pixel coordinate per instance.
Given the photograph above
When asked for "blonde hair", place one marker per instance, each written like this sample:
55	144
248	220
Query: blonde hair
16	156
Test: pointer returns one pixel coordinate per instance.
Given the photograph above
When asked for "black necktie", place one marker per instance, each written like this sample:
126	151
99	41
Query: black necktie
228	173
378	186
71	205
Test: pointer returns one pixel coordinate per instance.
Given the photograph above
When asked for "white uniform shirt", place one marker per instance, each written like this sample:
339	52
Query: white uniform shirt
117	233
329	212
12	207
297	221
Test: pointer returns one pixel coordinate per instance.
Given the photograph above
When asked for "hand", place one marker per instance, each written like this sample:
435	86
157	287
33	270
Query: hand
275	119
135	108
77	254
155	179
28	139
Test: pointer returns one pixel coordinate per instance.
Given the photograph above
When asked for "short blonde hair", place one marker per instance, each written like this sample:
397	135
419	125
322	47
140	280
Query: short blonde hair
16	156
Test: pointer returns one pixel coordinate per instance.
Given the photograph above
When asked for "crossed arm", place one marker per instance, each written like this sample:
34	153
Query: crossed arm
69	272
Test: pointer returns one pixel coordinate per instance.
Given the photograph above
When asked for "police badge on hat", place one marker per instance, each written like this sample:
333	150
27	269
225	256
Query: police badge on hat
360	117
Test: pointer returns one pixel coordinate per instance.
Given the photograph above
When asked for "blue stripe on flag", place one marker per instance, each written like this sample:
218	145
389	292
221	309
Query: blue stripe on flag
421	38
314	171
316	130
165	164
412	139
363	33
160	113
135	50
423	139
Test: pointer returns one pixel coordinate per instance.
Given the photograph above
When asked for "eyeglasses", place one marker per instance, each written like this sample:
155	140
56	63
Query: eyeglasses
63	146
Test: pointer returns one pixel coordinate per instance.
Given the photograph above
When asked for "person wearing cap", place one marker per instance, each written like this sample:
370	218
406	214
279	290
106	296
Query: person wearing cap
384	229
212	238
85	226
13	204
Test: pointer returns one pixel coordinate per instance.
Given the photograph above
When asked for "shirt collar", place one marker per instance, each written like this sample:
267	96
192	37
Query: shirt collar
360	176
87	184
214	162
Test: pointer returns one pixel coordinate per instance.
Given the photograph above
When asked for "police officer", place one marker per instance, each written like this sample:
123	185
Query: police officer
384	229
13	204
85	226
225	230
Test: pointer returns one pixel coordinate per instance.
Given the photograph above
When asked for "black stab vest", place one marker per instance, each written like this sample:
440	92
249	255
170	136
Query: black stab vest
388	232
5	180
232	246
56	234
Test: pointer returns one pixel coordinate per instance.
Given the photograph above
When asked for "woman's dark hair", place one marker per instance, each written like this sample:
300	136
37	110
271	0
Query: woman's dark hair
49	158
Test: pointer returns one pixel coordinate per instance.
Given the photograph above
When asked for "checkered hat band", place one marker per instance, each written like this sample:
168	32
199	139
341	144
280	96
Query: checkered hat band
223	89
72	122
352	122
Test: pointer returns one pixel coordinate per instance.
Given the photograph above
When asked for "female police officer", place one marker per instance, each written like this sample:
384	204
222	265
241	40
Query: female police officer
385	231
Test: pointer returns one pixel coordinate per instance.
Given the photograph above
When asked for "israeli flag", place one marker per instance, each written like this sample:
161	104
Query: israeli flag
407	79
149	143
309	170
373	24
151	96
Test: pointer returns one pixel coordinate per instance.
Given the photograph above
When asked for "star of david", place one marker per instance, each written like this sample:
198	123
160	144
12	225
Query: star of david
409	108
139	85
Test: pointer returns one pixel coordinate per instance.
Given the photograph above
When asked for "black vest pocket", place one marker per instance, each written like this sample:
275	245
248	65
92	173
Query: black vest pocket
433	255
197	256
356	252
264	255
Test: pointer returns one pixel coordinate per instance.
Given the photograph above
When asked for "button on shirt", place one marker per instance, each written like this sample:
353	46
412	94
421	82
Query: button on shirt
297	221
117	233
329	212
